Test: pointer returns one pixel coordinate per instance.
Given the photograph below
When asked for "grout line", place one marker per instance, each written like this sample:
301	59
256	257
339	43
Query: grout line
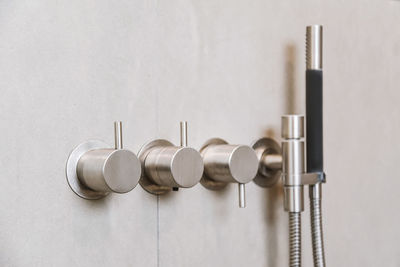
157	118
158	197
158	231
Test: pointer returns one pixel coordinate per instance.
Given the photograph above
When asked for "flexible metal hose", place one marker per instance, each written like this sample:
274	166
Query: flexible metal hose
316	231
295	239
316	226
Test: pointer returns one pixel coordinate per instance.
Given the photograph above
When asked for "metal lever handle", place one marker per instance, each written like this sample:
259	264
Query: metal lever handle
183	127
242	195
118	134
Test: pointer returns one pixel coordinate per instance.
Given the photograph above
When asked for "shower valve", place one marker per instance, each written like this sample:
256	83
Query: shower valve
94	169
225	163
167	167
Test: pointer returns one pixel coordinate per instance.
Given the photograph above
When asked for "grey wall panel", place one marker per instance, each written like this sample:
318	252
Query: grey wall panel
68	69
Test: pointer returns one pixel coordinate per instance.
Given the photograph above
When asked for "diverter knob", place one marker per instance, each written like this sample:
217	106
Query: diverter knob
225	163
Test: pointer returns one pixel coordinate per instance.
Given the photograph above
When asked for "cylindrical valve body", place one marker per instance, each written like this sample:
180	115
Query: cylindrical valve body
174	166
293	162
230	163
109	170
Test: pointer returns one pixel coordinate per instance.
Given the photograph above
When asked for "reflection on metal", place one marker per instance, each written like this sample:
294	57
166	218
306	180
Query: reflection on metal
94	169
225	163
270	162
167	167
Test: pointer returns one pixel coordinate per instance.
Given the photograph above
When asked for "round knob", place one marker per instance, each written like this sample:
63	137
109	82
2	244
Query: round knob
174	166
168	167
109	170
93	170
229	163
224	163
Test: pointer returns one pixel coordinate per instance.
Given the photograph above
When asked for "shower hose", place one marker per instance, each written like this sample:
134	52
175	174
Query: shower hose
316	226
295	239
316	232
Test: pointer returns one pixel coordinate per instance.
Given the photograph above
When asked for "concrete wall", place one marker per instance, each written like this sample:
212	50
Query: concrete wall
68	69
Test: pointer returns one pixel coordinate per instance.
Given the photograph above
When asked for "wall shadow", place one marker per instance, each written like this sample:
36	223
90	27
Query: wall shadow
273	198
272	206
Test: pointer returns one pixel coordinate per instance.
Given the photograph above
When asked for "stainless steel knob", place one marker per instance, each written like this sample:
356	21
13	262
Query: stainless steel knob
94	170
167	167
225	163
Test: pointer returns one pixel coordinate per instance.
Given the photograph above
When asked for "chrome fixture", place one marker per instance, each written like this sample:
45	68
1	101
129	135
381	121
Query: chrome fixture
292	172
167	167
294	178
94	169
314	121
293	157
270	162
314	47
225	163
292	160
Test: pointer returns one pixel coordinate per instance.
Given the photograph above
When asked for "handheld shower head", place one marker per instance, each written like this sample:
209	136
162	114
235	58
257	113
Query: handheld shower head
314	136
314	115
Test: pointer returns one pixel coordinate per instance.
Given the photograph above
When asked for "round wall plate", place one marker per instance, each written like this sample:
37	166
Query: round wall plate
205	180
145	181
266	177
72	163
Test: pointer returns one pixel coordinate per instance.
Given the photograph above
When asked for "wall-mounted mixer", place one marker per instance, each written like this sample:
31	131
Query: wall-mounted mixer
293	159
225	163
94	169
167	167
